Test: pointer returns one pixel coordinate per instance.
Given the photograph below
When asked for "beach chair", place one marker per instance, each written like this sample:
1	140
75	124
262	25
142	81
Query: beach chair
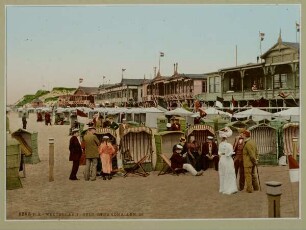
134	169
167	167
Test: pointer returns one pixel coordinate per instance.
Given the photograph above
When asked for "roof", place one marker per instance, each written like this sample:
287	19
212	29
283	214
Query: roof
136	82
88	90
247	66
292	45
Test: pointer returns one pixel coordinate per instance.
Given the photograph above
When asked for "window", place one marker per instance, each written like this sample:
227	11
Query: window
280	81
204	86
214	84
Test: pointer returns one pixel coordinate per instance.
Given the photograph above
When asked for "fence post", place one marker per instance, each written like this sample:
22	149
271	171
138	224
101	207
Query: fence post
51	159
274	195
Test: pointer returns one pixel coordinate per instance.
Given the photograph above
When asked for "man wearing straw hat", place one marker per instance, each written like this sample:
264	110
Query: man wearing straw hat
92	154
250	158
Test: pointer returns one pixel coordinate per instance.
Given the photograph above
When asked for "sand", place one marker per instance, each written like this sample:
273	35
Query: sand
134	197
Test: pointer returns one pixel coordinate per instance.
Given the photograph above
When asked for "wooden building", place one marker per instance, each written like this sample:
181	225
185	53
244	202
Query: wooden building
82	97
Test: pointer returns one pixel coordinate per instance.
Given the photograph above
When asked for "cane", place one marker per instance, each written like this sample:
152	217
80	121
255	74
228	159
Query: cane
258	178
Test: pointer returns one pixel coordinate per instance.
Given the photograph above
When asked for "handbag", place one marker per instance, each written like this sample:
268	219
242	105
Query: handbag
83	159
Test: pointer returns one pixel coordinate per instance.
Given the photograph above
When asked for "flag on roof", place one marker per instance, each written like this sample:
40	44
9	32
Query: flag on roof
81	80
162	54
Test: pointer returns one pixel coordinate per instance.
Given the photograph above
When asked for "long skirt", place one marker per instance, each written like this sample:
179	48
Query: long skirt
106	163
227	175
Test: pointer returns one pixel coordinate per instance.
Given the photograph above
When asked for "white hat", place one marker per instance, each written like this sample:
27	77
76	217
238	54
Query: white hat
168	125
75	130
179	147
105	137
210	137
225	132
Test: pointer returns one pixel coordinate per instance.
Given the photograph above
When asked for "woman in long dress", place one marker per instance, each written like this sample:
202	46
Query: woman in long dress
227	174
106	151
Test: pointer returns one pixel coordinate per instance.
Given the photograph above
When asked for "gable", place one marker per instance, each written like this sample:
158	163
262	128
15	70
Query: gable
281	52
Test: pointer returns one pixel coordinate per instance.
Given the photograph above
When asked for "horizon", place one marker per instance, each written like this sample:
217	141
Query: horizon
57	45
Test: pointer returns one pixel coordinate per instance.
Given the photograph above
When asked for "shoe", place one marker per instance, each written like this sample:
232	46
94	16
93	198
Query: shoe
104	178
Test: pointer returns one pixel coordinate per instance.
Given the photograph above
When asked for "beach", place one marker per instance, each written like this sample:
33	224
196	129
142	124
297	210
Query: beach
134	197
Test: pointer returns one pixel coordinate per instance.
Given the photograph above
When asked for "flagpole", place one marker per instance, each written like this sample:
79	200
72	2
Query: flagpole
236	55
296	31
260	45
159	63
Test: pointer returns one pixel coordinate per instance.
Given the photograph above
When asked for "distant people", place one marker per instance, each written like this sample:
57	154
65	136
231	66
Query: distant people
47	118
91	143
123	126
250	159
238	160
75	153
114	159
227	175
178	161
107	123
168	126
176	125
39	117
254	86
24	120
106	151
7	122
99	121
209	153
193	156
113	125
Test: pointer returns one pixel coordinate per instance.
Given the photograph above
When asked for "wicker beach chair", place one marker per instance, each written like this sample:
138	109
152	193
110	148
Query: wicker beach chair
167	167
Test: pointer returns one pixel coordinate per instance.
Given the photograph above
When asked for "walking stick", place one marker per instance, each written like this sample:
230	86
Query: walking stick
258	178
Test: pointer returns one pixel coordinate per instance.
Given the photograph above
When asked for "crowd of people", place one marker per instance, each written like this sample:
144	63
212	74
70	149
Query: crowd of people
231	161
236	163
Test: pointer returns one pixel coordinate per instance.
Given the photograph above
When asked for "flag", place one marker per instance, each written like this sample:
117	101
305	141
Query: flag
162	54
123	70
81	80
262	36
297	27
233	103
219	102
293	169
283	95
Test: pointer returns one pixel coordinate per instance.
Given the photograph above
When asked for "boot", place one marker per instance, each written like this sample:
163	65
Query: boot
109	176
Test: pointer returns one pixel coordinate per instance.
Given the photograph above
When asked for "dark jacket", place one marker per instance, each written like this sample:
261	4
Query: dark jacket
177	161
205	149
75	149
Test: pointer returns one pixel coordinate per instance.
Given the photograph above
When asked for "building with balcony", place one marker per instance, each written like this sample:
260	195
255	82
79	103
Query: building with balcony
124	93
274	82
173	91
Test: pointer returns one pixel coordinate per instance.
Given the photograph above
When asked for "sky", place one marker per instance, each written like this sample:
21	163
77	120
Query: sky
54	46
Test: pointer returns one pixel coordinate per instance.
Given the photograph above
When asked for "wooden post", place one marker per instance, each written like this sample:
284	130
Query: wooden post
274	195
51	159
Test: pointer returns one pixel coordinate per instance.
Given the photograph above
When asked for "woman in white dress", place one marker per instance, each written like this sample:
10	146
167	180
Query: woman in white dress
227	174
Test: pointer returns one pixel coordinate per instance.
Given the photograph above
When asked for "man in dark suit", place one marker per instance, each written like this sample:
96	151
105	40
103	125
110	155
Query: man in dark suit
209	153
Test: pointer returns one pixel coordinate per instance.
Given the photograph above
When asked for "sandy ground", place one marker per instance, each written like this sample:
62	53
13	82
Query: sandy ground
134	197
